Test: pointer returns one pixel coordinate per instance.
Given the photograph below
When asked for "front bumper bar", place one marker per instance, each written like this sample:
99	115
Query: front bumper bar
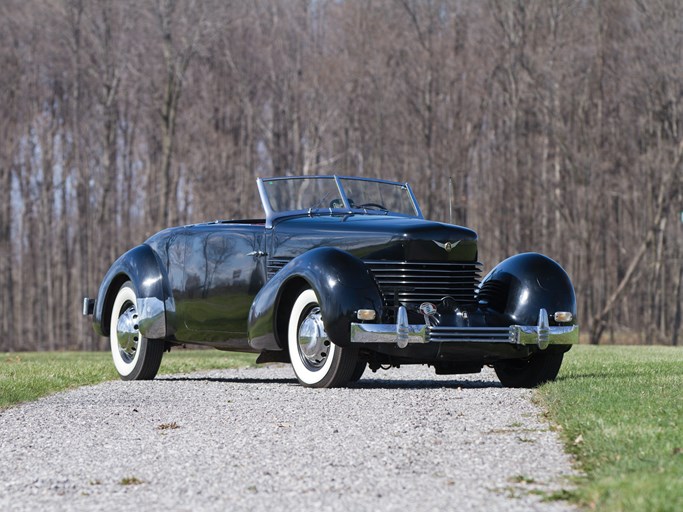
403	334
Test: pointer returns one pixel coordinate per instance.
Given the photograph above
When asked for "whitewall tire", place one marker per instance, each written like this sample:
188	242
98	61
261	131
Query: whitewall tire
135	357
317	362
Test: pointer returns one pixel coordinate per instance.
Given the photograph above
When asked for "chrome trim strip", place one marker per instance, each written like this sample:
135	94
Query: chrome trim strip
265	202
471	334
330	176
342	193
414	200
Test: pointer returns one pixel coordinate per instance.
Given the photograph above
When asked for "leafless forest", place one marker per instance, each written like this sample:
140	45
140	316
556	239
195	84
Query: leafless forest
560	124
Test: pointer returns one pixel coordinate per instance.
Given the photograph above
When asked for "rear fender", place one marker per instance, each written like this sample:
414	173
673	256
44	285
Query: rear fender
143	268
342	283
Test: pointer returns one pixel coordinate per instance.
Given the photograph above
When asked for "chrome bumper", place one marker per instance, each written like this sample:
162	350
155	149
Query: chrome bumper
403	334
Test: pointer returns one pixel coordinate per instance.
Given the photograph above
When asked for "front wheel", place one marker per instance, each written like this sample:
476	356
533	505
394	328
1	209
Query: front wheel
528	373
135	357
358	371
317	362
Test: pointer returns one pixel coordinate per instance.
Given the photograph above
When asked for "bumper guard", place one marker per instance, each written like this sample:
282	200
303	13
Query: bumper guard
88	306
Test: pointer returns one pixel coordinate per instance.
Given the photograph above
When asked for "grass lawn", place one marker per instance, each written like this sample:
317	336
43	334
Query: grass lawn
621	414
29	375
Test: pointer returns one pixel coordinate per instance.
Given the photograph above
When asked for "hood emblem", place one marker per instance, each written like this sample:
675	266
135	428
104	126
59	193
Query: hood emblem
448	246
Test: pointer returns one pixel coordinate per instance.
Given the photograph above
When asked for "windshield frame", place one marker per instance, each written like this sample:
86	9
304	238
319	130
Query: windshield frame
272	215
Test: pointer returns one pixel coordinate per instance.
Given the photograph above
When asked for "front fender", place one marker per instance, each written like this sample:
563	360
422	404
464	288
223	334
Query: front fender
521	285
342	283
144	269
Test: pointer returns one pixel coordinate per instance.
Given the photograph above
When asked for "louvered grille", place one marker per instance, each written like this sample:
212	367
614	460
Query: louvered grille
411	283
494	294
275	265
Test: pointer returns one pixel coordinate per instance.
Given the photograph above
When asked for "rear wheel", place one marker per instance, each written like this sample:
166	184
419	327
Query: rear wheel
528	373
135	357
317	362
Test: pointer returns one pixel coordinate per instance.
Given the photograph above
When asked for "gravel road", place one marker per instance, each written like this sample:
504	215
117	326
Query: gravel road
252	439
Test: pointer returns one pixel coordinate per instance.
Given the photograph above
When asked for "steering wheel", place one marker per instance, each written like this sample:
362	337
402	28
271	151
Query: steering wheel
372	205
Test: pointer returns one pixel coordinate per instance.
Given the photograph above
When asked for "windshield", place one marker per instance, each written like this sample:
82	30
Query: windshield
378	195
337	193
286	195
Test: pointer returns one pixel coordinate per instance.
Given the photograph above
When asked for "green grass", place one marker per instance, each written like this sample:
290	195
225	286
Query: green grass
621	414
27	376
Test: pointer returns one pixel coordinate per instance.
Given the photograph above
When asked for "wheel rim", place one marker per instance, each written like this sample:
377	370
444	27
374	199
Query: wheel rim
128	332
313	343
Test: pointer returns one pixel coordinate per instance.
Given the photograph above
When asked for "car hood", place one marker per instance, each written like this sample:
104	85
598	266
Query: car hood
375	237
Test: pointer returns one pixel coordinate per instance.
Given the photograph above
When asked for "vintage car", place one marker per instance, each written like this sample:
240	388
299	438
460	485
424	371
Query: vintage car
341	274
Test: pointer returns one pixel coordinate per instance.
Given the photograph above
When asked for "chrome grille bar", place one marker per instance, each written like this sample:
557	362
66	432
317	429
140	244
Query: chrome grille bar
471	334
412	283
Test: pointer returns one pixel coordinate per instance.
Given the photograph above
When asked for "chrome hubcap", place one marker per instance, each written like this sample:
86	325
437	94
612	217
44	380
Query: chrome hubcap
313	343
128	333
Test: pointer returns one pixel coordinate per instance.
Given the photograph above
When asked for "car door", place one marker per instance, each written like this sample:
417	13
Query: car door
223	272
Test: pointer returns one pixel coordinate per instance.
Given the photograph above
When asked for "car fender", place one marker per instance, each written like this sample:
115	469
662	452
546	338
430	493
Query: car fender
342	283
521	285
142	266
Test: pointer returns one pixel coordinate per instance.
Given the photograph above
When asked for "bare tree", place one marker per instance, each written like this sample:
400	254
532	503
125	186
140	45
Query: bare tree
558	123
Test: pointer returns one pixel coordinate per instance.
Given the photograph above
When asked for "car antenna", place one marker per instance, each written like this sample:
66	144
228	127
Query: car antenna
450	199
